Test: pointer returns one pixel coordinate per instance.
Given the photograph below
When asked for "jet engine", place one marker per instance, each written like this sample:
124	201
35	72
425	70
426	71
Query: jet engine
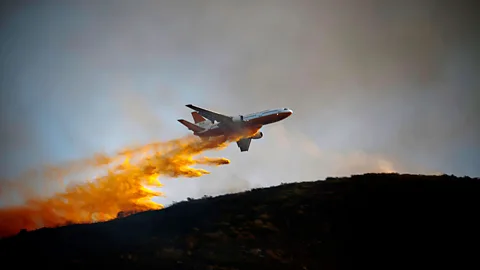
257	135
238	118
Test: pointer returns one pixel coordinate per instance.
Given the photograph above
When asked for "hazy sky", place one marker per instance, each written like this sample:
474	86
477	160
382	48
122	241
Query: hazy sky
374	85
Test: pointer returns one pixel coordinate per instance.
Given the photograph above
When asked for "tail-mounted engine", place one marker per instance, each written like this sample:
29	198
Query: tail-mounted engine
257	135
238	118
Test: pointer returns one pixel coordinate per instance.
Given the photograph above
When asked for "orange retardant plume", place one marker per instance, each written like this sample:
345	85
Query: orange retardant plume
123	187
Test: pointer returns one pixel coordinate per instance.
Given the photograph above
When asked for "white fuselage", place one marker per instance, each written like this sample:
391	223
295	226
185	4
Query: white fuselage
252	121
242	128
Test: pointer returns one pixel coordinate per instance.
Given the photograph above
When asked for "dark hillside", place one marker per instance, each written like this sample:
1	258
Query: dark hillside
381	220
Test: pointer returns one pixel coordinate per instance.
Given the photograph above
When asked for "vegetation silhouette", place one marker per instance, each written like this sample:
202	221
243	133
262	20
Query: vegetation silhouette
371	220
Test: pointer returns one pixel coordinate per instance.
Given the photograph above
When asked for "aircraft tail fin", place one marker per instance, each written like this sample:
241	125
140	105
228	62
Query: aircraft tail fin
197	117
191	126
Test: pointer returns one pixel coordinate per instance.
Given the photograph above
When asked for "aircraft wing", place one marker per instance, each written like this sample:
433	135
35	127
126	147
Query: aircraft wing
244	144
210	115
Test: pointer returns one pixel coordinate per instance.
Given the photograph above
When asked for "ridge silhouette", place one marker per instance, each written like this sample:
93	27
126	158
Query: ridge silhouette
371	220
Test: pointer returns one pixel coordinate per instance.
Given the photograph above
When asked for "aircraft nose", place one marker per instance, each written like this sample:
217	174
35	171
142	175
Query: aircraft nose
289	112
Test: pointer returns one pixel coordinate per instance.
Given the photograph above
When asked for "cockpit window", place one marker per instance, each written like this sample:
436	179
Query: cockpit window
285	108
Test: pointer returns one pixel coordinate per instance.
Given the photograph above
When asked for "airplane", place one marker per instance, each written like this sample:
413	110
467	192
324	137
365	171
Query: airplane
209	124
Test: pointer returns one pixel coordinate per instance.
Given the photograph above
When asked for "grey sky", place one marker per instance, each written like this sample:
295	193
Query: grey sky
374	85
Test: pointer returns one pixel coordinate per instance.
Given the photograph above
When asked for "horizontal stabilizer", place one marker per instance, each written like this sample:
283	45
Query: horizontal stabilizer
191	126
